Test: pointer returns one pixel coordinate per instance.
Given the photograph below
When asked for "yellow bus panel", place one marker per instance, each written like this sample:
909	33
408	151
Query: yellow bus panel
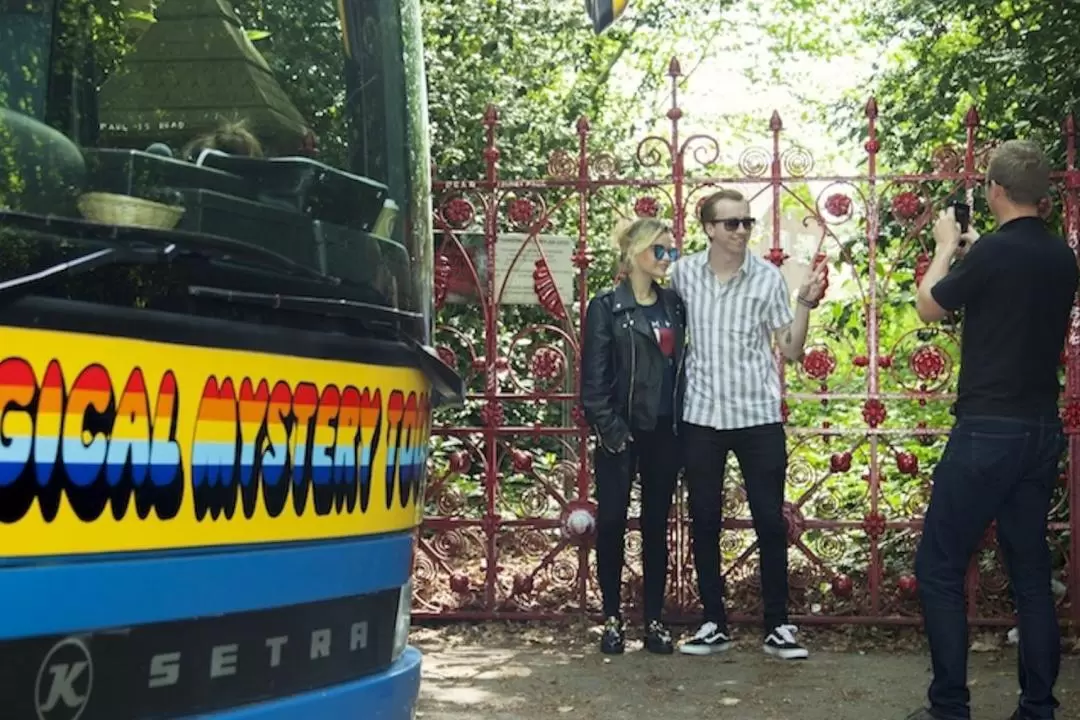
112	444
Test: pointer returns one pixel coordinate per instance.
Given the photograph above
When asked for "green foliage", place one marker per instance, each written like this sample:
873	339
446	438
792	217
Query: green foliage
1016	60
541	64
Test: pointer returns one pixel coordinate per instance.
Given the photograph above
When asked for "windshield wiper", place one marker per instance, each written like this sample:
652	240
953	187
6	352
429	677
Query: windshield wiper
126	237
448	386
354	310
92	261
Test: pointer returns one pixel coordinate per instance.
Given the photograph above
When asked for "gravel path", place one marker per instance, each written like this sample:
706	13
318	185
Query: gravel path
501	673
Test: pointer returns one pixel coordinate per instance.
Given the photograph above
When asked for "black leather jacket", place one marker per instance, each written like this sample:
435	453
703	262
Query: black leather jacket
622	367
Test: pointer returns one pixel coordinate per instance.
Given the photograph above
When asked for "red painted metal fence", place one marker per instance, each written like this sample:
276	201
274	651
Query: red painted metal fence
867	410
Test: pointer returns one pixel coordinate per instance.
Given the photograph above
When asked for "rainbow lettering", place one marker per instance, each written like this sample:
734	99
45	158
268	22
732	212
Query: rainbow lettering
120	444
97	448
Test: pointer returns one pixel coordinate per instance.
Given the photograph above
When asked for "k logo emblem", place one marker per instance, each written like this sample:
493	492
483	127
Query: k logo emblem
64	681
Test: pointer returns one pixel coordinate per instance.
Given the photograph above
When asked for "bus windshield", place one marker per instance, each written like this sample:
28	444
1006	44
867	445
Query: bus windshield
215	156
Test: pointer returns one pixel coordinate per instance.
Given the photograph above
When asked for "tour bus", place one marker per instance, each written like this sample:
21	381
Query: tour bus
216	379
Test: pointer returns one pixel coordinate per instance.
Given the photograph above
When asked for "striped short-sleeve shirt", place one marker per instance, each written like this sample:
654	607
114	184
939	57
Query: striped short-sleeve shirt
732	378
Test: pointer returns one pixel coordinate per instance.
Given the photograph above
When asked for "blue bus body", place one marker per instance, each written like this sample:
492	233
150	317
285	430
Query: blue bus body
216	383
73	598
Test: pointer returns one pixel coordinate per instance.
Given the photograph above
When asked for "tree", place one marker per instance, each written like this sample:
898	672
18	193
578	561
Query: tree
1017	61
543	67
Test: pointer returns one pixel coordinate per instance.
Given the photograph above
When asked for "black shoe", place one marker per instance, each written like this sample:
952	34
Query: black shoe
658	638
781	643
709	639
613	641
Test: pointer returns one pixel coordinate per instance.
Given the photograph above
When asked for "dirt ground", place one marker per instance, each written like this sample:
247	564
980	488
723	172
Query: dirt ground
506	672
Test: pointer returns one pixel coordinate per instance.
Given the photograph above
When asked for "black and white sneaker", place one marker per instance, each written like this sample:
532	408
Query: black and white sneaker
781	643
613	641
709	639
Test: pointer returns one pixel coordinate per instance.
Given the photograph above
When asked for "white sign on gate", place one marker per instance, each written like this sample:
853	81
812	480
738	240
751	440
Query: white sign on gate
515	261
516	254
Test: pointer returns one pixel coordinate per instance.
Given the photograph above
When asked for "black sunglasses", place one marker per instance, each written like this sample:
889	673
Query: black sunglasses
732	224
659	251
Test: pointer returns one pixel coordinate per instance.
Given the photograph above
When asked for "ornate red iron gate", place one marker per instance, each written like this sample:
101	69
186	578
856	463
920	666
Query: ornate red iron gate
867	409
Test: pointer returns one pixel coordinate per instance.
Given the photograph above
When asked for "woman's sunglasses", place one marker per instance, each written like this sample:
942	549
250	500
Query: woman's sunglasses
732	224
659	251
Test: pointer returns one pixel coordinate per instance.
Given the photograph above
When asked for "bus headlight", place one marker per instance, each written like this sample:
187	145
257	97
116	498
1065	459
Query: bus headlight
404	620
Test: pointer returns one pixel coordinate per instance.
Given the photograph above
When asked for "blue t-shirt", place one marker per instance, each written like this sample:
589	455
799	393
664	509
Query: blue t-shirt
665	338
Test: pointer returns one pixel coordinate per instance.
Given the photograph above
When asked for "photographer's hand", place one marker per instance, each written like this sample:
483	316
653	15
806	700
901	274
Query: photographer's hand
947	234
967	240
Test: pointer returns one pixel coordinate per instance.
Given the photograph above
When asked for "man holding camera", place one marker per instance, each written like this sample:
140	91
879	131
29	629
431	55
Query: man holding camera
1017	287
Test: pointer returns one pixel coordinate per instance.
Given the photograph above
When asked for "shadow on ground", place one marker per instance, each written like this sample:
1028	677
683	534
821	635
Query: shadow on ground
517	677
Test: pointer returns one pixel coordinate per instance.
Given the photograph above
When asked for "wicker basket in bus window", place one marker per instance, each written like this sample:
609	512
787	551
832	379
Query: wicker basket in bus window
114	209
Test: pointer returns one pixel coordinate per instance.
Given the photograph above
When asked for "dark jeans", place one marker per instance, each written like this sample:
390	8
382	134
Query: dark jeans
656	455
1004	469
762	455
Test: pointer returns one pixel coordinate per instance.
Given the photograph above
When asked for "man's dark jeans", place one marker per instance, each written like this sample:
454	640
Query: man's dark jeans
762	455
1004	469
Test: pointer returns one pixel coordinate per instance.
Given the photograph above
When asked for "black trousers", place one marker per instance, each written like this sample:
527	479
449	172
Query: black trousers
655	454
762	455
1004	469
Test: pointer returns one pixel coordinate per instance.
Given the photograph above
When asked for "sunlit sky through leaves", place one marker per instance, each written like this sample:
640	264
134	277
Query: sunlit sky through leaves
769	57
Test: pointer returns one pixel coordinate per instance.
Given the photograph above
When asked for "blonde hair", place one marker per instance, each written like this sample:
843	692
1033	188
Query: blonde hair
636	237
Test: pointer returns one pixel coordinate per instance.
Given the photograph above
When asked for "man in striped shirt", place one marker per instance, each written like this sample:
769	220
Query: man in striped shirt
737	304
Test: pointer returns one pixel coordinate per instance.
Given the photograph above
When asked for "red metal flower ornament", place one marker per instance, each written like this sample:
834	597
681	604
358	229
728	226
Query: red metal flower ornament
646	206
874	412
521	212
906	205
928	363
819	363
458	212
838	205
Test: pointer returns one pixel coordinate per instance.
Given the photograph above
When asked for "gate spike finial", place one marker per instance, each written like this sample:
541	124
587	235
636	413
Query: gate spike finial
871	108
775	123
674	69
972	118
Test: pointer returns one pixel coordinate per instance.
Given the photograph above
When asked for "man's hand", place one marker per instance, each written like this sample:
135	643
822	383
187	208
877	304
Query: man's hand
813	288
947	236
947	233
968	239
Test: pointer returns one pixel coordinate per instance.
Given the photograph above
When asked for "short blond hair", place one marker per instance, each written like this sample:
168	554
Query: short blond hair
1020	167
636	237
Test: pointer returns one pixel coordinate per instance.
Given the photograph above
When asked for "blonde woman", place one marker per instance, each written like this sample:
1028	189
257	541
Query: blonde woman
632	388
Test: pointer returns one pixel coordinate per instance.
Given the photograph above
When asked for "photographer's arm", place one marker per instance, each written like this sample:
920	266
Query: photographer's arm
925	305
942	290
